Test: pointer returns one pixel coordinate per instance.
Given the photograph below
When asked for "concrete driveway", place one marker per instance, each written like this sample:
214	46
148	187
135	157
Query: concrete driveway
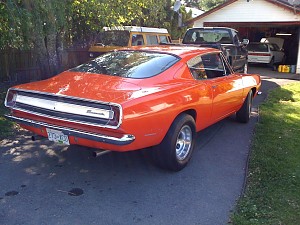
45	183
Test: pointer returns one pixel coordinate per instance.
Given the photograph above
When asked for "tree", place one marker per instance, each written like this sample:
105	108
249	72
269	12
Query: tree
11	20
175	30
193	3
38	25
209	4
172	20
89	17
45	29
50	26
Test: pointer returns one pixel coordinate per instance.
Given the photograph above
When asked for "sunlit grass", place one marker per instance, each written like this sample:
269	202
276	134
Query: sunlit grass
272	194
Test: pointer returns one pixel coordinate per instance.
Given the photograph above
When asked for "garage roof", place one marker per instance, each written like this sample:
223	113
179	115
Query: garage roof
266	12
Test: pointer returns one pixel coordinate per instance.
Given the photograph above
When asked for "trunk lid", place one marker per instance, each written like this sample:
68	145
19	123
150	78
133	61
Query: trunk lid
86	85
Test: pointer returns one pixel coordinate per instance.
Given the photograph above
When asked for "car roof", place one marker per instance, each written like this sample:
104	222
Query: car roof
179	50
138	29
212	28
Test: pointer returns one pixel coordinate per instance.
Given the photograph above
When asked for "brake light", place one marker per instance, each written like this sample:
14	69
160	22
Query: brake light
116	119
10	100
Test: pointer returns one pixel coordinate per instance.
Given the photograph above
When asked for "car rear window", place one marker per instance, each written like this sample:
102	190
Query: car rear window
131	64
200	36
259	47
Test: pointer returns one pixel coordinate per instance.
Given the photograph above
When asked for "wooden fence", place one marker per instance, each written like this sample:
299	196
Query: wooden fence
22	66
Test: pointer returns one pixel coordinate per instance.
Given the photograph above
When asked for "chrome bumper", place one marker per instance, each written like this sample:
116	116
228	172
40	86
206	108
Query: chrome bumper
124	140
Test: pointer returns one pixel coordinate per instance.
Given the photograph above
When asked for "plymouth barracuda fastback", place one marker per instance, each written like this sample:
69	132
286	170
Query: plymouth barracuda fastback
135	98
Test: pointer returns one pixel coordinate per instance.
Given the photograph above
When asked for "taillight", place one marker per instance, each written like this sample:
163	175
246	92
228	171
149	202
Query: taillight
10	99
116	119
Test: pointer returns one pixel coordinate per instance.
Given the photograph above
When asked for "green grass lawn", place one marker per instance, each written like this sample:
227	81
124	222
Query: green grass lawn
272	194
6	126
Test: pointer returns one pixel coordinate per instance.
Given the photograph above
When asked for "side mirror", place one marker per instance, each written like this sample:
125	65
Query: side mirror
245	42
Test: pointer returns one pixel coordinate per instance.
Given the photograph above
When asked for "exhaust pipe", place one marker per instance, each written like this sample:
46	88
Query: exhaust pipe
100	152
36	137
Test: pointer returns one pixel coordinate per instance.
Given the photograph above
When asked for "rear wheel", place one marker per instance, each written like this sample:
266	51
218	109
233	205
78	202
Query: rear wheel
243	115
177	146
272	64
283	59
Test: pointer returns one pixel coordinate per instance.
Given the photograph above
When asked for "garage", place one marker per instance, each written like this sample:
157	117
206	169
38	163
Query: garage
257	19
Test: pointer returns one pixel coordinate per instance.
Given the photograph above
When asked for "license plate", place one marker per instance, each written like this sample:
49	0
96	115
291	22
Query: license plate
57	136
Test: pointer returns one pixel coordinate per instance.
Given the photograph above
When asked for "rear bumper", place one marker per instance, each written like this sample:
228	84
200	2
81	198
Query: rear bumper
124	140
260	59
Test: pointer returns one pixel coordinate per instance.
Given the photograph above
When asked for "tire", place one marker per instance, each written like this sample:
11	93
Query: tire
175	151
243	115
283	59
272	64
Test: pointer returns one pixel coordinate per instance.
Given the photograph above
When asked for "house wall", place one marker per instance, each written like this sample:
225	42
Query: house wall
258	12
252	11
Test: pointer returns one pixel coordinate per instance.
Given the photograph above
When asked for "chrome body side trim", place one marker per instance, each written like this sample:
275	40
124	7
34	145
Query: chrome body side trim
63	119
124	140
65	107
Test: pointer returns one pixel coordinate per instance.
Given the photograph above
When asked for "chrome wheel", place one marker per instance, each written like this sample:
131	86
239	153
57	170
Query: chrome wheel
184	142
175	151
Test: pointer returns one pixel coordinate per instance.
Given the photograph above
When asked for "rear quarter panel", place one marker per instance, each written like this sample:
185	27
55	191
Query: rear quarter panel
251	82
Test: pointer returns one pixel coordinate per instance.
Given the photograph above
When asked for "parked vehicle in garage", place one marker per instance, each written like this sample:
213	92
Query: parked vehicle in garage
267	53
137	98
117	37
274	40
223	38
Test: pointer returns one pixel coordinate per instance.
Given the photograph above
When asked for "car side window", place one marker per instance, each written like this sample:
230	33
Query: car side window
208	66
163	39
137	39
214	65
152	40
197	69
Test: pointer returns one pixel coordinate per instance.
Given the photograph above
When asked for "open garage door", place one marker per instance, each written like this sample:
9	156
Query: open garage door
255	32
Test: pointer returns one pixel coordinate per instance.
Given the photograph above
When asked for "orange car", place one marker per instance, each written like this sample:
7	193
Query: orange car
137	98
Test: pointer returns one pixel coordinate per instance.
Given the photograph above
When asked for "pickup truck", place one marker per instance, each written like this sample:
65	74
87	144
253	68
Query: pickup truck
223	38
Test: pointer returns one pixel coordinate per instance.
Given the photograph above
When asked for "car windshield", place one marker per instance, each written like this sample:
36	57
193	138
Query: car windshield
197	36
257	47
113	38
131	64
